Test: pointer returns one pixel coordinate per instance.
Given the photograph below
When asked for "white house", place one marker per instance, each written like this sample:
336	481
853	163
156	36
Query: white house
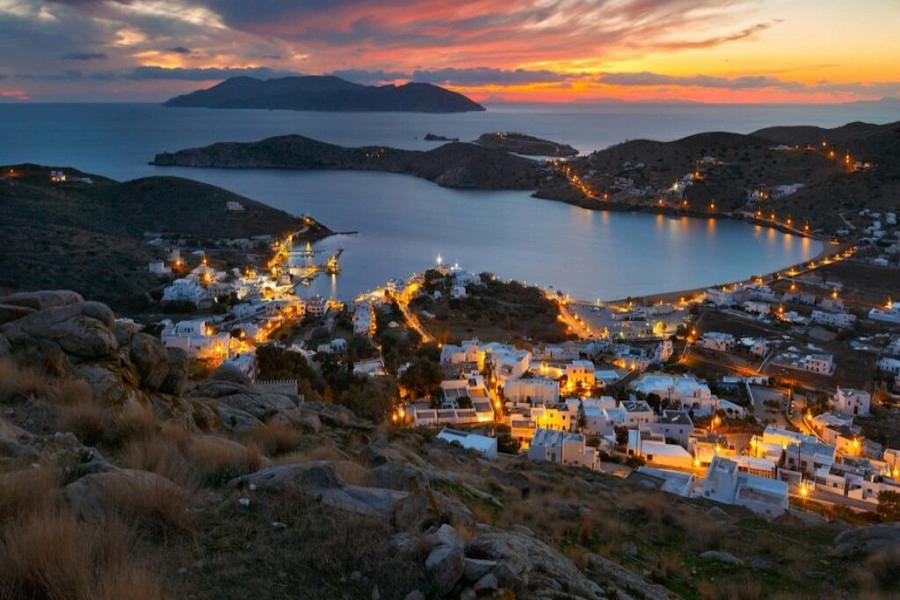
158	267
848	401
820	364
561	447
580	373
673	424
757	307
637	413
658	452
725	483
716	340
196	338
841	320
532	390
471	441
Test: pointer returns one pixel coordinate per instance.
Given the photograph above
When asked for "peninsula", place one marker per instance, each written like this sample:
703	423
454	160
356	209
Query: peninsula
520	143
326	93
65	228
457	165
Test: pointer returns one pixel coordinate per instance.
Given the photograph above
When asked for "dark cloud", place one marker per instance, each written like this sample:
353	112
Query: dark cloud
85	56
179	50
209	74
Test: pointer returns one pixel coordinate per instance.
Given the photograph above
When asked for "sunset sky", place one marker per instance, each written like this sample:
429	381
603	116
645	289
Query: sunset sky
509	50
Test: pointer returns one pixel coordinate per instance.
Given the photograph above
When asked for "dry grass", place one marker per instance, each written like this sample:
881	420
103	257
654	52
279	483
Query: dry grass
74	391
28	490
217	460
18	384
313	454
85	420
276	438
161	456
151	501
49	554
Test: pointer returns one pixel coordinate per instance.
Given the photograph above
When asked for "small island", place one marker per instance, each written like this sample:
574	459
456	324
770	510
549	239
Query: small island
433	137
520	143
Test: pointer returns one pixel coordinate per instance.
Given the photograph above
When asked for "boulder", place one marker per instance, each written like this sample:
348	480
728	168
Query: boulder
445	535
81	330
176	378
237	396
235	420
866	540
476	568
487	583
318	479
43	299
124	330
445	566
424	508
723	557
228	372
109	387
12	312
529	565
626	583
151	359
93	496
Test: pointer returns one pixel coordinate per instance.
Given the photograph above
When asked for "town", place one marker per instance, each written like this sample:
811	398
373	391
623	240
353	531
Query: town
777	393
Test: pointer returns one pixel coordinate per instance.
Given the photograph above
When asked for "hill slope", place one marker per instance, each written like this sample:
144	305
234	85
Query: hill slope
326	93
452	165
90	236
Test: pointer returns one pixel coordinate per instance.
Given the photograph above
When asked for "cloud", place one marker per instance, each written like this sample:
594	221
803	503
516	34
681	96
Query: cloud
487	76
85	56
179	50
647	78
204	74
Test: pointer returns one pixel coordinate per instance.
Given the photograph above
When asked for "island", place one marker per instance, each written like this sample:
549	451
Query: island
520	143
325	93
433	137
63	228
456	165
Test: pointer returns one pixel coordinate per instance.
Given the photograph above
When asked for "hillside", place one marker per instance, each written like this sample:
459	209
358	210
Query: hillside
782	170
325	93
120	477
89	233
452	165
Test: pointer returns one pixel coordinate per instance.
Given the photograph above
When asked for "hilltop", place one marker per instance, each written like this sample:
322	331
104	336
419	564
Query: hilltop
325	93
520	143
455	164
90	233
120	476
811	175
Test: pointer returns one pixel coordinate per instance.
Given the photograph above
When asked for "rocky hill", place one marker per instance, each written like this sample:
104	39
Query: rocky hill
458	165
121	477
326	93
730	167
88	233
520	143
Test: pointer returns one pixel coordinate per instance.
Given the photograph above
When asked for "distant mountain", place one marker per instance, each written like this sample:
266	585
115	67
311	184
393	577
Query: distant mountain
326	93
458	165
808	134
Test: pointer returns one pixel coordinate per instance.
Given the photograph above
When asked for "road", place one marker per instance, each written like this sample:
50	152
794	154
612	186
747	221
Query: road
412	320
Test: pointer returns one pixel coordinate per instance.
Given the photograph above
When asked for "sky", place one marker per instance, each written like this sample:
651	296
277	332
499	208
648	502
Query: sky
573	51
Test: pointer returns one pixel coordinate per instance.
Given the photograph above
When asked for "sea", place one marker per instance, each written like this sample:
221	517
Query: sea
403	224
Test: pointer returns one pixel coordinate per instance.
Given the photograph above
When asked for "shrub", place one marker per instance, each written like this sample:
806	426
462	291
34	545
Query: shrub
276	438
217	460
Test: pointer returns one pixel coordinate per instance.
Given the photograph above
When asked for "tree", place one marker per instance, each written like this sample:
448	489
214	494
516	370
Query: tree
422	376
582	418
889	506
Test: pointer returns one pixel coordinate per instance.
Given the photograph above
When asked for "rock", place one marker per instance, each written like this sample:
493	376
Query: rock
124	331
279	525
311	422
723	557
4	345
244	502
759	564
43	299
415	595
523	558
93	496
234	396
626	582
444	536
235	420
476	568
426	508
397	476
522	530
866	540
109	387
81	330
151	359
467	594
12	312
227	372
487	583
176	379
629	549
319	480
717	513
404	542
445	566
355	576
376	595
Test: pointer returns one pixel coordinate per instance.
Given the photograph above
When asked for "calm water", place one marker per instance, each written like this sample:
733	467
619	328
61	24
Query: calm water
404	223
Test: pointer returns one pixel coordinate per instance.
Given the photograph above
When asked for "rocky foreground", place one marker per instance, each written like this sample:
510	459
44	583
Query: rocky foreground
124	474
